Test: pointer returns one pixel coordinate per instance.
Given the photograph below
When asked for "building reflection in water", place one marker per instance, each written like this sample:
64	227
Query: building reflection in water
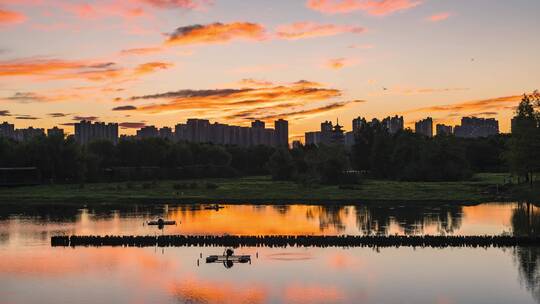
526	222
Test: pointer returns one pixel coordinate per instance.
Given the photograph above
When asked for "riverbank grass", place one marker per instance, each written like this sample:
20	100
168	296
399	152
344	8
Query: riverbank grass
260	188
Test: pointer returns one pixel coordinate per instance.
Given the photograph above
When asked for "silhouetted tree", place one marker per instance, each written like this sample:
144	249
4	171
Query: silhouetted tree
281	165
524	154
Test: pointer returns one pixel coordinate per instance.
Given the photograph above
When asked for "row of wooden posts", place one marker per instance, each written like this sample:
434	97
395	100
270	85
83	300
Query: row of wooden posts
295	241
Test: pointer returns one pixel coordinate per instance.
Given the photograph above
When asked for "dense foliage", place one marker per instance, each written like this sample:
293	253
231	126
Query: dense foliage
413	157
524	152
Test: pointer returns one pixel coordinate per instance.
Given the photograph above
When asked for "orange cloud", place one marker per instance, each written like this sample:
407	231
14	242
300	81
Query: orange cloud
10	17
248	102
73	69
372	7
151	67
141	51
339	63
301	30
417	91
216	33
498	103
102	9
438	17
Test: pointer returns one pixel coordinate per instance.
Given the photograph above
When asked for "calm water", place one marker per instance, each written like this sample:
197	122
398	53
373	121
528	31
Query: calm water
33	272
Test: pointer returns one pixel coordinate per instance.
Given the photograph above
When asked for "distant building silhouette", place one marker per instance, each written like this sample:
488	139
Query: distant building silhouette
202	131
329	134
166	133
55	131
393	124
313	138
147	132
443	130
86	131
296	144
281	128
338	137
424	127
358	123
473	127
7	130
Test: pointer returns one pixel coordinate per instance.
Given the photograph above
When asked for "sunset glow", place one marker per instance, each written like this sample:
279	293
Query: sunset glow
157	62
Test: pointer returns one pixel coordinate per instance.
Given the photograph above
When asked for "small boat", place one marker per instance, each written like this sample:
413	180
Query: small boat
161	222
228	258
213	207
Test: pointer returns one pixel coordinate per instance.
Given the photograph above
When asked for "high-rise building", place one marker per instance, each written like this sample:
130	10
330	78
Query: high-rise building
473	127
166	133
55	131
358	123
7	130
444	130
313	138
349	138
257	133
28	133
282	133
424	127
180	132
198	130
147	132
393	124
86	131
327	129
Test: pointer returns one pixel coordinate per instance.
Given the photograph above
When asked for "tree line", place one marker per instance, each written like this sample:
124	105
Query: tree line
376	153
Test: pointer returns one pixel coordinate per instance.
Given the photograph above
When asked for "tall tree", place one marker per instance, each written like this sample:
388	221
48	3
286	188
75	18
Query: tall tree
524	154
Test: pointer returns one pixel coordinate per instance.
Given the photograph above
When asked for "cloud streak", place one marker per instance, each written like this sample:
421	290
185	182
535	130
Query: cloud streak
371	7
339	63
302	30
215	33
491	105
254	101
125	108
439	17
58	69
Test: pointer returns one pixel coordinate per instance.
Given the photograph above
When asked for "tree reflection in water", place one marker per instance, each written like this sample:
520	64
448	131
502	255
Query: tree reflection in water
526	222
372	220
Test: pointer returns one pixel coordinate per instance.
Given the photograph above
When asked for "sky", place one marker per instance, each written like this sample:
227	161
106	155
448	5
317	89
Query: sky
159	62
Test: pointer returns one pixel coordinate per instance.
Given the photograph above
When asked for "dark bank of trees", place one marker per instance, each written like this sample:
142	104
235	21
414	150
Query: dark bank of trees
65	161
377	154
413	157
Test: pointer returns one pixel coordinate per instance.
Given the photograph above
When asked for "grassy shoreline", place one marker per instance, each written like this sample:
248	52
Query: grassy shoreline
259	189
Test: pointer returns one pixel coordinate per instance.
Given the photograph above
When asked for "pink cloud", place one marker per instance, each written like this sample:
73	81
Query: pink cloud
184	4
372	7
439	17
10	17
301	30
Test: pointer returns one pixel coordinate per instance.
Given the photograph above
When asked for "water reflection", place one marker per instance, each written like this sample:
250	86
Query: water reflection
268	219
277	275
409	220
526	221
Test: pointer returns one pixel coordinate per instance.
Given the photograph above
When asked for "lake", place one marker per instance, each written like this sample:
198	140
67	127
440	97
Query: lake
31	271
